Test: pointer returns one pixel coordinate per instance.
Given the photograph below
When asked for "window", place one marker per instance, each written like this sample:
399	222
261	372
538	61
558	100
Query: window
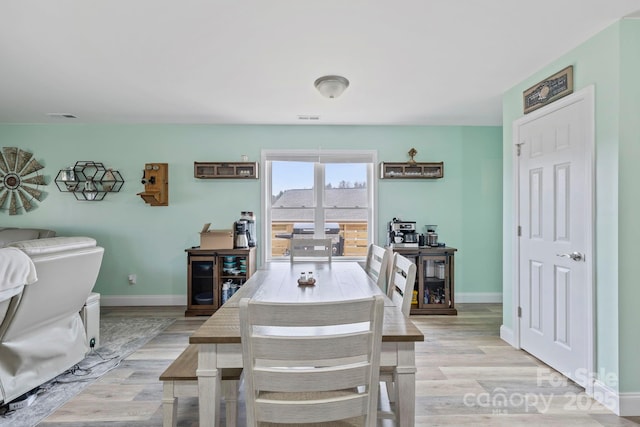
320	194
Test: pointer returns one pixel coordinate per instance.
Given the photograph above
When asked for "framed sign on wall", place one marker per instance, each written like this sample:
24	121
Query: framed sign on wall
550	89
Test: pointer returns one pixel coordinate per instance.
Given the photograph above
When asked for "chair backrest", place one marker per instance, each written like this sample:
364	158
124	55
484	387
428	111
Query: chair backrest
310	248
378	264
311	362
401	282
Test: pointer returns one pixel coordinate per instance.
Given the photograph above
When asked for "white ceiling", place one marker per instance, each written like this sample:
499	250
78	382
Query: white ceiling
435	62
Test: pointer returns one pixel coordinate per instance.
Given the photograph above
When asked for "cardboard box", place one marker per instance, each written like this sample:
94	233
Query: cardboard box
215	239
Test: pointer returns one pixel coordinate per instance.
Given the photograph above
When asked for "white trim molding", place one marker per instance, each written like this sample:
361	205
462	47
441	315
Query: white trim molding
142	300
606	396
478	297
629	405
621	404
506	335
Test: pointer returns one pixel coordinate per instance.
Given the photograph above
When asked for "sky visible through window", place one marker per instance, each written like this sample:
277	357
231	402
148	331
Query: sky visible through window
299	175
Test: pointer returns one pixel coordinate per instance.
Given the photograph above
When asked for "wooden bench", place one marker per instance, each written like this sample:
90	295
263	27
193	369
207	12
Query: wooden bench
180	380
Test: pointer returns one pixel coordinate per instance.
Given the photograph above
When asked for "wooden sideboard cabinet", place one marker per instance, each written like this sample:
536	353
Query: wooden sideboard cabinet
207	272
434	279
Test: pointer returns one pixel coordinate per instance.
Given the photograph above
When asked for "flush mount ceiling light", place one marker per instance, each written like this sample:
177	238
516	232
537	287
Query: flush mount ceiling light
331	86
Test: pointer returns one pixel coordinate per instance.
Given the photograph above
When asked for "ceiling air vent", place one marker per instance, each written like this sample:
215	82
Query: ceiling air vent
62	116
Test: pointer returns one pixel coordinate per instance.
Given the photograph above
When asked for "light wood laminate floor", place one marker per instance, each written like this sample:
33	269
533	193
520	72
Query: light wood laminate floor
466	376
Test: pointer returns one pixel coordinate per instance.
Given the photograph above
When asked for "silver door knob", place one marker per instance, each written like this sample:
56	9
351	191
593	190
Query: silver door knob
576	256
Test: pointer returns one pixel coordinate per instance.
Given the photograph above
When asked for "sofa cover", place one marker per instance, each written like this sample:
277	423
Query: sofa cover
42	334
16	271
10	234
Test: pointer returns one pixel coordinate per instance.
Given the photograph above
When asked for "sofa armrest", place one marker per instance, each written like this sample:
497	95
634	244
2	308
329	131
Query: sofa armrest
10	234
53	245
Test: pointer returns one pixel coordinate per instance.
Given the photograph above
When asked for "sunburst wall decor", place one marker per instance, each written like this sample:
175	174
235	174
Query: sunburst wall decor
19	180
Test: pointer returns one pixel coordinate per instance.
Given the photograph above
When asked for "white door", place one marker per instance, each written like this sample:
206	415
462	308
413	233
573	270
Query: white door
555	189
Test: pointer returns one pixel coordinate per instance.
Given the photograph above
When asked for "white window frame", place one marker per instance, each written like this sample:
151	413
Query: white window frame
321	156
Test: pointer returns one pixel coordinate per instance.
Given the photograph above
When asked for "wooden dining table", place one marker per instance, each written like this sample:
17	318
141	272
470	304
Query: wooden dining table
219	344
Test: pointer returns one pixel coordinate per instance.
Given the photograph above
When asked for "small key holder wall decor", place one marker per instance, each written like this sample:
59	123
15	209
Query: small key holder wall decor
89	181
19	180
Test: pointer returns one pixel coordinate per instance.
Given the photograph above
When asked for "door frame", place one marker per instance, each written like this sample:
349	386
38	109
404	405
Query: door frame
584	95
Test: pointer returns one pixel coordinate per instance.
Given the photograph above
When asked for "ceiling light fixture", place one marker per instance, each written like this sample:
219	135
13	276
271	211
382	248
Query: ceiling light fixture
331	86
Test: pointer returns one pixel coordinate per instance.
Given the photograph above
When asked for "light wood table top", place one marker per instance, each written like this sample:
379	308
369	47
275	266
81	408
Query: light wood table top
336	281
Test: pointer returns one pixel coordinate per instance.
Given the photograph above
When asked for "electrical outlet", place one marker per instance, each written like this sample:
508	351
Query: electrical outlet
132	279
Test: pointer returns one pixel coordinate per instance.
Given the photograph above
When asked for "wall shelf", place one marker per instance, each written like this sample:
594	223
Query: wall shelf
407	170
89	181
234	170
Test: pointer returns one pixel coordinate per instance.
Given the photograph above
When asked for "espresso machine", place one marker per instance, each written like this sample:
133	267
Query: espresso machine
402	234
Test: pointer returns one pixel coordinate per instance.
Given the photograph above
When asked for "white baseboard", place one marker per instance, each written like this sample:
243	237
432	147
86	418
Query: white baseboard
606	396
506	335
629	405
142	300
478	297
621	404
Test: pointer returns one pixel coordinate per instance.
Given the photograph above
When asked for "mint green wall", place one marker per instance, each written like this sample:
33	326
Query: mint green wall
150	241
609	61
629	205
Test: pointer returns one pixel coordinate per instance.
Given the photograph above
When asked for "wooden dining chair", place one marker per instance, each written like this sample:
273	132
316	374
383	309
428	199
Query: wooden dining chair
308	248
378	264
402	279
312	362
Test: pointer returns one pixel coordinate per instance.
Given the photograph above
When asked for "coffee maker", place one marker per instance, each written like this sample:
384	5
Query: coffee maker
402	234
250	219
242	234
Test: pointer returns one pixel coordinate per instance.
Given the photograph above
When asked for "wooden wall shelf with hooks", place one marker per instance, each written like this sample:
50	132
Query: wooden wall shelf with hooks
406	170
231	170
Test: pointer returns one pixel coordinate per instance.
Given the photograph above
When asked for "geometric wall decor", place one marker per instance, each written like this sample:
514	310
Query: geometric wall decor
19	180
89	181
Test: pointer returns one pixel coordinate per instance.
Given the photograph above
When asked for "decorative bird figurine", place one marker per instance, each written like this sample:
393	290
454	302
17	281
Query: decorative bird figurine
412	153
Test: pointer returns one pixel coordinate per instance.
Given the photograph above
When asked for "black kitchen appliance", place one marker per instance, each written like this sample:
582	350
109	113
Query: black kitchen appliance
307	229
241	234
250	219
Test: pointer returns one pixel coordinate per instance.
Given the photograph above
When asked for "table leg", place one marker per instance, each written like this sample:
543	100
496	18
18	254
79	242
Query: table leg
406	383
209	387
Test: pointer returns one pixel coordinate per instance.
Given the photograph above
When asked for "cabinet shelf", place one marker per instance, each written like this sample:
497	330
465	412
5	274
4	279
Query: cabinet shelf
407	170
205	277
237	170
435	293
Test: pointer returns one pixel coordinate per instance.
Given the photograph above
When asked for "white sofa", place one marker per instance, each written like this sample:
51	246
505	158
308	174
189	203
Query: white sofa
41	330
9	235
